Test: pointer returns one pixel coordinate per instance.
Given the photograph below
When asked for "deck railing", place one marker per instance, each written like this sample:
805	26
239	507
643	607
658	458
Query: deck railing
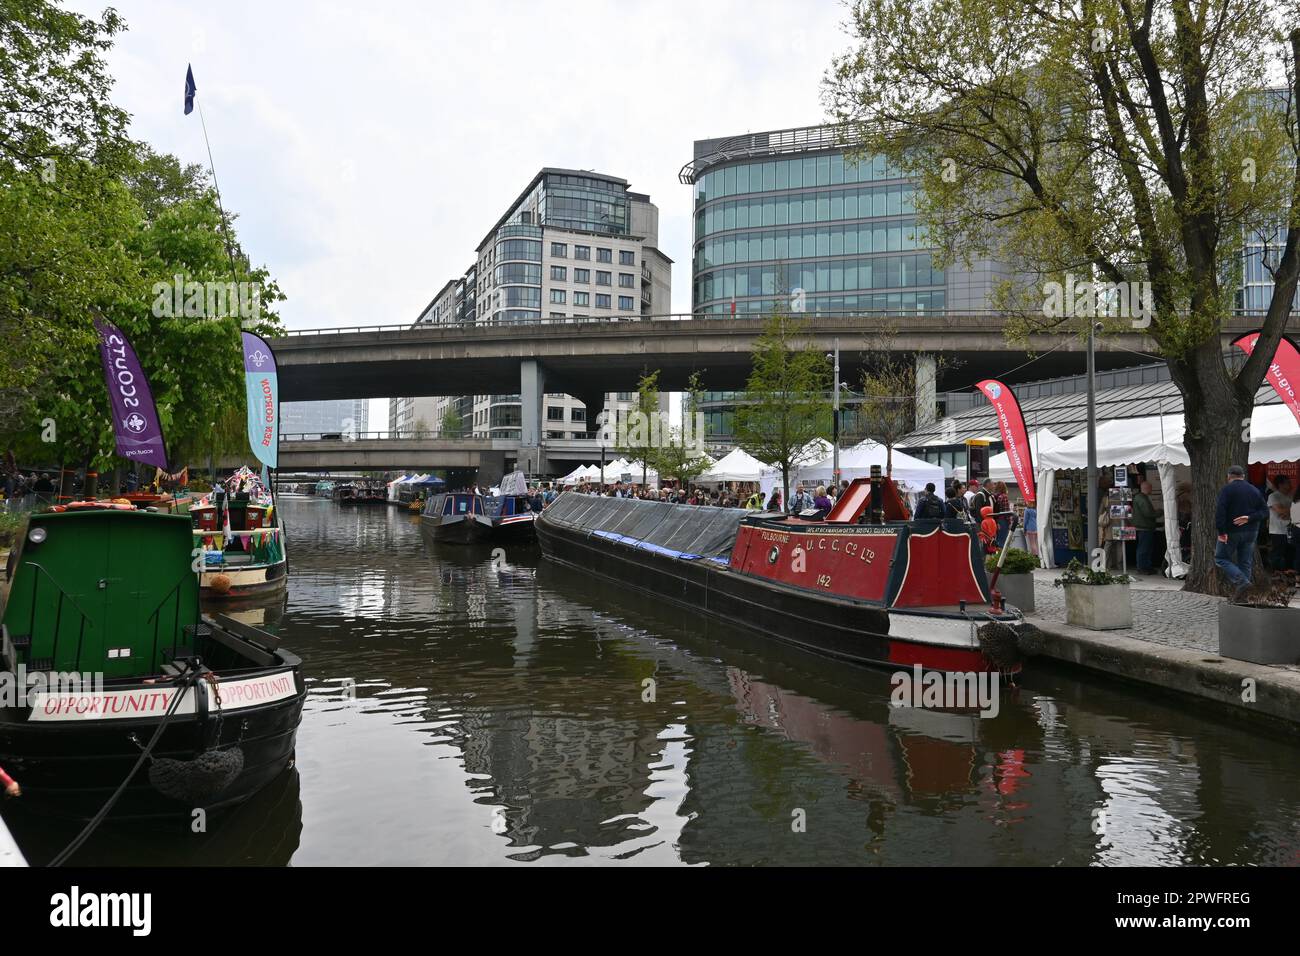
30	636
174	597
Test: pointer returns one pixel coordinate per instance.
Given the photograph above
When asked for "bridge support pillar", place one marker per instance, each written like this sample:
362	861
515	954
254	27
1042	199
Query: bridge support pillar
927	399
595	404
532	389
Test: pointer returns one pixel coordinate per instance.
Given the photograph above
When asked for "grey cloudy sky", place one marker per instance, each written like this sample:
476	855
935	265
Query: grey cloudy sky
367	147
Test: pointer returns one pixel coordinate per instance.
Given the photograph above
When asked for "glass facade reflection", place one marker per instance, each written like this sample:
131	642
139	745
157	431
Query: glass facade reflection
764	228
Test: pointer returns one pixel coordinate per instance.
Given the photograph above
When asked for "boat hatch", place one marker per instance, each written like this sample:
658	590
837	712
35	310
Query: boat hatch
105	591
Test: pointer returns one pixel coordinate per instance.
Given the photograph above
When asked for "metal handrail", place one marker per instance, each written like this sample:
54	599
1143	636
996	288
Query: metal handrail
946	317
176	623
58	615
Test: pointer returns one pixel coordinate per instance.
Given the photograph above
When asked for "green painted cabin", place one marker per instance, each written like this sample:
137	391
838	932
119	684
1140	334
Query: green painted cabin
105	591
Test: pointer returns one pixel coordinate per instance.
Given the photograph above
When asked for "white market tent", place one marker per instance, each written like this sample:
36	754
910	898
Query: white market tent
1041	441
736	465
1275	436
615	470
392	486
911	474
580	474
809	456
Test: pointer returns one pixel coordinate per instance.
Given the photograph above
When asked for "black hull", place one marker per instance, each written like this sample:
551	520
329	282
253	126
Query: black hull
841	628
515	531
467	530
70	769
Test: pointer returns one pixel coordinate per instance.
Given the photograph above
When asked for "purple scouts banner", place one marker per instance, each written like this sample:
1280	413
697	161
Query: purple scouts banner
135	416
263	399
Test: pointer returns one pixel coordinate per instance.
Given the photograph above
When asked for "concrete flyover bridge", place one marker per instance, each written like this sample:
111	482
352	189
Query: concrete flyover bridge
588	357
384	451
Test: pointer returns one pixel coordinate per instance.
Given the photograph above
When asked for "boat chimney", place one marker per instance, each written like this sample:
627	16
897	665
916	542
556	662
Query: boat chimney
877	501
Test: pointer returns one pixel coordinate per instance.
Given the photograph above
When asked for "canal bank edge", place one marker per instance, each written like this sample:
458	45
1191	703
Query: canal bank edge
1221	680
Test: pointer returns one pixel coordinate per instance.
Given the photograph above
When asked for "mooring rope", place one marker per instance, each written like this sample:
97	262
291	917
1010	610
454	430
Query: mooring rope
183	683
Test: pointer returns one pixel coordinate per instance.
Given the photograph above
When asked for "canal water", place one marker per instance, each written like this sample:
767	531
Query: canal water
479	707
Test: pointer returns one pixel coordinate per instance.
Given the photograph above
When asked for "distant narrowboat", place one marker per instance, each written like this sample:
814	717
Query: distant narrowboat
242	540
513	517
458	517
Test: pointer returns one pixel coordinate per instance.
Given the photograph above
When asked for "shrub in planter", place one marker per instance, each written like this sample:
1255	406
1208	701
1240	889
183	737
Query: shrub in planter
1262	628
1016	582
1097	600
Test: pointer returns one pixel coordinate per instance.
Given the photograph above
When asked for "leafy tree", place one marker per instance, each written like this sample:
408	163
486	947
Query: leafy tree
886	410
92	223
453	425
640	437
785	404
680	455
1115	141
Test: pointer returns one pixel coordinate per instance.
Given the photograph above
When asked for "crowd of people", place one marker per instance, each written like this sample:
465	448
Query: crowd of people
985	504
18	486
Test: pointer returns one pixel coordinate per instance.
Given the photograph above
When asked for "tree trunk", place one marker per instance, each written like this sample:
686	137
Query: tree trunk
1216	423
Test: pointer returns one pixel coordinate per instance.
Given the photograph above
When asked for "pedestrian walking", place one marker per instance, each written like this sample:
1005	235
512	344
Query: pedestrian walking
1237	516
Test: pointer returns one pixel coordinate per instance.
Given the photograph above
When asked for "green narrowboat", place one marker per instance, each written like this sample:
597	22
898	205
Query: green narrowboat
108	658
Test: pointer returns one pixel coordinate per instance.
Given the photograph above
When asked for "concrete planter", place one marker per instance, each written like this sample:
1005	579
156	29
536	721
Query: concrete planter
1018	589
1098	607
1261	635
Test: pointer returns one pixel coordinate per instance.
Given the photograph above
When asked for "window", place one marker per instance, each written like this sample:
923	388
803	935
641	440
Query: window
625	303
582	298
582	252
577	414
626	257
602	301
582	275
604	255
626	280
557	297
602	278
555	413
559	273
560	250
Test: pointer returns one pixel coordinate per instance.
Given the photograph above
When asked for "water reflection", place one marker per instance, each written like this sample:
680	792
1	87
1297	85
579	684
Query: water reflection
472	708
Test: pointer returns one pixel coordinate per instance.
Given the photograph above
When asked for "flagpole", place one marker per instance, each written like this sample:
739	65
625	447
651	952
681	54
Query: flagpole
216	186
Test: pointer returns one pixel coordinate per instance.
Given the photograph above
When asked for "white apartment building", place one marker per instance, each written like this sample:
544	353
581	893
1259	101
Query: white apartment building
575	245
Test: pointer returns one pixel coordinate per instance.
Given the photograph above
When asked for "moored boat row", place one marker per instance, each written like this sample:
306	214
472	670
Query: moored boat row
870	587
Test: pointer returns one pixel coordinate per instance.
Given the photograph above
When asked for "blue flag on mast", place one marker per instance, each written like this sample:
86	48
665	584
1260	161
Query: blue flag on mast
190	89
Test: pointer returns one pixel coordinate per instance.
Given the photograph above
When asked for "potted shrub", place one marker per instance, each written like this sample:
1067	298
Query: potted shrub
1016	582
1097	600
1261	628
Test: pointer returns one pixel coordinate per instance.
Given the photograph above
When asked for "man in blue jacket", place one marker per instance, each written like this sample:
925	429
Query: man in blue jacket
1237	516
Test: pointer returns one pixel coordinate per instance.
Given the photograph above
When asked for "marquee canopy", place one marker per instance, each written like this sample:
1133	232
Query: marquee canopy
736	465
912	474
1275	436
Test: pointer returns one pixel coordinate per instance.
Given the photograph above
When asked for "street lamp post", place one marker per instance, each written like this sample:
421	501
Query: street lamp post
1093	496
835	423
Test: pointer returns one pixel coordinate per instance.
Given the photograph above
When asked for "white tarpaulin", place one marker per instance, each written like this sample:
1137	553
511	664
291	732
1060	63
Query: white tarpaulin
514	484
736	465
912	474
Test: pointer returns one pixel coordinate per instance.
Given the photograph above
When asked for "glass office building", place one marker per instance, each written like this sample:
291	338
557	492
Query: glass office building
785	211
